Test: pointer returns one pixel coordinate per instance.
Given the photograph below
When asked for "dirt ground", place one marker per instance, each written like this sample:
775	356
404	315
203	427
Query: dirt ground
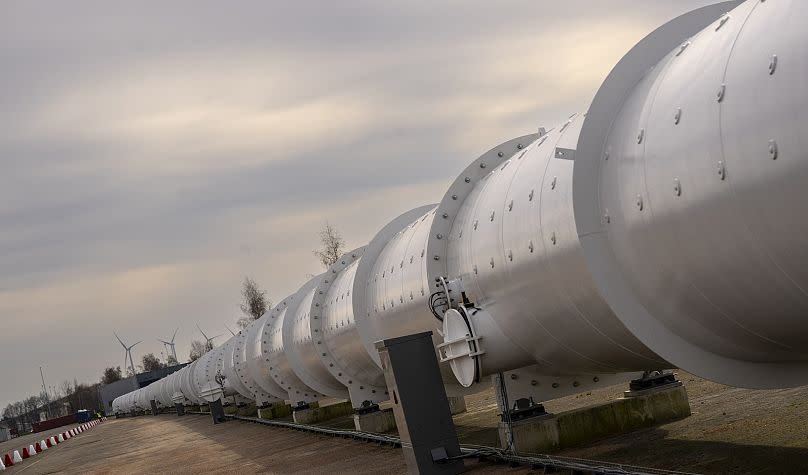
731	431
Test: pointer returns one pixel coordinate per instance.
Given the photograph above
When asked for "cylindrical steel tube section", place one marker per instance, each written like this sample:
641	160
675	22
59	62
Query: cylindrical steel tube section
699	248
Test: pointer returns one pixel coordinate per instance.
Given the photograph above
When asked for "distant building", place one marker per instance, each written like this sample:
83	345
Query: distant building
109	392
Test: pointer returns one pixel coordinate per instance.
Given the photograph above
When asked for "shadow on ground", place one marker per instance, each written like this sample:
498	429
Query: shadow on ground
654	448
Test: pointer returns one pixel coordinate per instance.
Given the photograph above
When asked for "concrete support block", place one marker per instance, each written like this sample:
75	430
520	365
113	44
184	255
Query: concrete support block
457	405
275	411
249	410
377	421
323	413
568	429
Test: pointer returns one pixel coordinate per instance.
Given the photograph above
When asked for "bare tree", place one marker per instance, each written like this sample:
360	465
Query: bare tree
67	388
332	243
254	302
198	348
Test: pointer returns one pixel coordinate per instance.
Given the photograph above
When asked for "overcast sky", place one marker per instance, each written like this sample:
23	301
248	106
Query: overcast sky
155	153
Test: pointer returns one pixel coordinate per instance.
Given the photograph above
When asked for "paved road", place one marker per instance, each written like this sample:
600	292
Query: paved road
192	444
731	431
18	443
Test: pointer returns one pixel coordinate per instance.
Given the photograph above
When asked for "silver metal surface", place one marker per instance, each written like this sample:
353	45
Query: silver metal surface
300	348
340	346
257	362
240	359
229	368
367	300
396	287
712	276
533	381
277	358
540	306
664	227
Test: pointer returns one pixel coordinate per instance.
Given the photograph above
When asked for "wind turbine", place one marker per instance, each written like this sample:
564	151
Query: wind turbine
170	345
128	353
208	341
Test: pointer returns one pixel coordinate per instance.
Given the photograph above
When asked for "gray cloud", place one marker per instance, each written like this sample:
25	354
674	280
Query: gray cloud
154	154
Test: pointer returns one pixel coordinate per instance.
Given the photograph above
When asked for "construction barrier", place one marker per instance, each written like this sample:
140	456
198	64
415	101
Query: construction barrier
11	459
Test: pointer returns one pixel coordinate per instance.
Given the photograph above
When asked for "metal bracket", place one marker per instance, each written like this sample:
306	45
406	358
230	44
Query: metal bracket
652	381
467	350
525	408
565	153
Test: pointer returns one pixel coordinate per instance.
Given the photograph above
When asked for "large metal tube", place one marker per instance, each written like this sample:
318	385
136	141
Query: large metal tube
694	227
662	228
277	355
343	352
514	249
300	346
241	355
229	369
255	359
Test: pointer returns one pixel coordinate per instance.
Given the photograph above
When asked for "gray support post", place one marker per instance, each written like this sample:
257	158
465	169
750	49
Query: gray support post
217	411
421	409
154	409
